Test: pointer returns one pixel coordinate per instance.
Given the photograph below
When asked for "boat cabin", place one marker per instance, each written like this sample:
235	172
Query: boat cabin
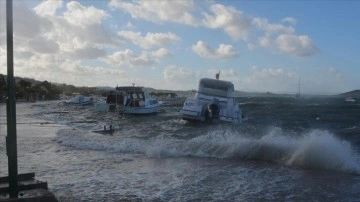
214	100
127	96
215	87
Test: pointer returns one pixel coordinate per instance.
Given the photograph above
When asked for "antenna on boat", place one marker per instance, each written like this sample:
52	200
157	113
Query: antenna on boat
134	87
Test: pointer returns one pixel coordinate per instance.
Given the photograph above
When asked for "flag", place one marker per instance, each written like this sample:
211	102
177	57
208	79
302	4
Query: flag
217	75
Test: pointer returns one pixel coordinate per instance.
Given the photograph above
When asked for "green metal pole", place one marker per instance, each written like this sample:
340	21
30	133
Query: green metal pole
11	106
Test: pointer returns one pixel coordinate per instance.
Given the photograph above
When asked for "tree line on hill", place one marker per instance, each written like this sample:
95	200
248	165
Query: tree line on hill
27	89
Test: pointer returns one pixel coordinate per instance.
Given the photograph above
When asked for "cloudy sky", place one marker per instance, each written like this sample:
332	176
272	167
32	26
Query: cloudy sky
260	46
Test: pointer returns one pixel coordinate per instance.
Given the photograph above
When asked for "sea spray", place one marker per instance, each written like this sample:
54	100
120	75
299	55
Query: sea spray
321	149
81	139
317	149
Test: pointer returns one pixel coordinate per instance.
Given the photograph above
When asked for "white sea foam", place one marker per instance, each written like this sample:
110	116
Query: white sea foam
81	139
317	149
321	149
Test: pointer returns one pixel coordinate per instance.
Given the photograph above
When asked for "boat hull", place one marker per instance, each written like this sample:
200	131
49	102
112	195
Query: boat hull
80	101
84	103
196	116
192	115
214	101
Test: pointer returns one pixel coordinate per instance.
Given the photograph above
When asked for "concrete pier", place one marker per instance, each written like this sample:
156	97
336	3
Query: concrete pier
30	190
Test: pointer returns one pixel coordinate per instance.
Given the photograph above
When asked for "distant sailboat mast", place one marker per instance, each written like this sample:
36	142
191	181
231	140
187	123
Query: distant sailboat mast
298	94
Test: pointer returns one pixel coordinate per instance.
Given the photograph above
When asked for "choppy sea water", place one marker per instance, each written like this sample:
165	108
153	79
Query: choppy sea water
287	150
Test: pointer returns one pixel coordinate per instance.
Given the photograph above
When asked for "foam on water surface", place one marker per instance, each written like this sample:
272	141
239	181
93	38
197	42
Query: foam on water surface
317	149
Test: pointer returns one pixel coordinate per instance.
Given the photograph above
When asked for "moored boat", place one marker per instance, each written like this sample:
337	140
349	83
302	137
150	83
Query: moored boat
213	101
132	100
350	99
80	100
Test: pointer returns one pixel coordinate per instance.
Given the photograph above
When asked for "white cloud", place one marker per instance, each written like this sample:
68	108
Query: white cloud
162	52
264	41
276	37
223	51
127	58
281	38
330	77
158	11
226	74
3	59
296	45
47	43
251	46
41	30
290	20
86	53
80	15
270	80
177	73
333	72
41	45
79	32
129	25
53	39
263	24
60	70
48	8
181	77
26	23
283	80
89	75
150	40
229	73
232	21
289	44
266	73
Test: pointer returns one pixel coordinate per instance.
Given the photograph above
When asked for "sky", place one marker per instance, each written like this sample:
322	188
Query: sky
260	46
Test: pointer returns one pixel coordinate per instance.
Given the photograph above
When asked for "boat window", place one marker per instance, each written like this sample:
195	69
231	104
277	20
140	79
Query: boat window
134	96
216	87
215	92
141	96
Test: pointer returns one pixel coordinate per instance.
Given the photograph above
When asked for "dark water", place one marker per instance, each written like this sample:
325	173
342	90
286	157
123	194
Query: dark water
306	114
287	150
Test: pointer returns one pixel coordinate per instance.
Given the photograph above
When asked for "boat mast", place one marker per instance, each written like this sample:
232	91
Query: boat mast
299	87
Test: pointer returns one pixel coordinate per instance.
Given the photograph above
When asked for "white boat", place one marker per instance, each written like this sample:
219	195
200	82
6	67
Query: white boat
214	100
80	100
350	99
132	100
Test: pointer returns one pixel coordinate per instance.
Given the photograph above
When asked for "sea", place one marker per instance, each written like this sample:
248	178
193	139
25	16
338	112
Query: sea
287	149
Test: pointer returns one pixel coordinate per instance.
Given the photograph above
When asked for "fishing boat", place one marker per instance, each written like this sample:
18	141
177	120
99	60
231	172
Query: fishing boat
132	100
79	100
213	101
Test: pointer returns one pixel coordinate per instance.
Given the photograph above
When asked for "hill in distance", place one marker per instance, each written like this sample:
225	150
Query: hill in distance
184	93
354	93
